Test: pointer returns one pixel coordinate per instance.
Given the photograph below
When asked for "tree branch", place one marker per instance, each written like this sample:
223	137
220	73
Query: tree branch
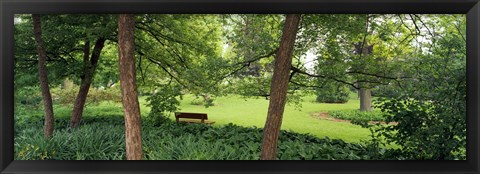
166	70
322	76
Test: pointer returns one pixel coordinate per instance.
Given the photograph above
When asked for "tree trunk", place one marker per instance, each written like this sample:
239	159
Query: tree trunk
126	46
43	77
365	99
87	77
279	87
364	93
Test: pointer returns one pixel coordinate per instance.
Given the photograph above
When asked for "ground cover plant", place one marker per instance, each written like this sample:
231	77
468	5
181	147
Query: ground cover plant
102	139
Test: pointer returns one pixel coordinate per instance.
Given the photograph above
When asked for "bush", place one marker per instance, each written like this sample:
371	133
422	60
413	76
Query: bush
196	101
28	96
164	100
204	99
333	92
357	115
68	96
426	130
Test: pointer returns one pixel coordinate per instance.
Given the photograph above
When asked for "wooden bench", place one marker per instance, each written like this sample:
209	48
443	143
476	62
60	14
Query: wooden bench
192	117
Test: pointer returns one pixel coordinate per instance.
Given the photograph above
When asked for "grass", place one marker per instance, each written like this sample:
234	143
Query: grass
253	112
248	112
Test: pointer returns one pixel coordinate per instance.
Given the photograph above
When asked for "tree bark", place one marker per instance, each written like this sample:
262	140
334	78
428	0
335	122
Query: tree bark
126	46
90	64
279	87
365	99
364	93
43	76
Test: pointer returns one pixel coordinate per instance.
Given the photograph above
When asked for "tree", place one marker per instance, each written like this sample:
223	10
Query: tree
364	67
43	76
98	28
131	108
279	87
186	52
364	91
253	40
90	64
430	107
68	37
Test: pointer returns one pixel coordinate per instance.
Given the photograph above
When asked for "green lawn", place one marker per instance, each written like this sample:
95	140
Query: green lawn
253	112
249	112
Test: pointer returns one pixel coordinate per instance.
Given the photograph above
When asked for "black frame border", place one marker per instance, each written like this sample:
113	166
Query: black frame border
10	7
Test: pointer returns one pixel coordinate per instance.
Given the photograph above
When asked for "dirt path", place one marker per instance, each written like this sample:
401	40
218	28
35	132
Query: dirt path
324	116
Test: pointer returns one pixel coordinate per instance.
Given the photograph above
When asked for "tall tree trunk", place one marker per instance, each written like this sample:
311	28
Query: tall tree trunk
43	76
126	46
365	99
364	92
279	87
90	64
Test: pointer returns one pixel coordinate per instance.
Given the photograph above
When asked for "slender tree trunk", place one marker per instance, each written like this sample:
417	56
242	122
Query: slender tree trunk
279	87
43	77
90	65
126	46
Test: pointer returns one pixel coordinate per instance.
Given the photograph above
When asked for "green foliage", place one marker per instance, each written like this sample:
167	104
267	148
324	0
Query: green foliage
424	130
93	142
183	48
333	92
423	78
251	87
28	96
196	101
94	96
430	107
357	115
104	140
64	36
203	99
164	100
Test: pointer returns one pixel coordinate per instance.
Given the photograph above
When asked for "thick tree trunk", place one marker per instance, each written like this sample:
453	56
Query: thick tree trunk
43	76
364	92
87	77
365	99
126	46
279	87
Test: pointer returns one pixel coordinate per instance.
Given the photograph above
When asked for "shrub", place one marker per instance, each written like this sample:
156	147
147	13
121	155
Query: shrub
333	92
164	100
28	96
204	99
196	101
426	130
357	115
68	96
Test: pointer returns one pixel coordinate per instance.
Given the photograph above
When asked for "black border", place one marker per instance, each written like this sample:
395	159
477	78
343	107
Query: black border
10	7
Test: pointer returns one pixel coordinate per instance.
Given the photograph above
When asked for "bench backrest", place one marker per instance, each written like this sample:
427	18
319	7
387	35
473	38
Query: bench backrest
201	116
